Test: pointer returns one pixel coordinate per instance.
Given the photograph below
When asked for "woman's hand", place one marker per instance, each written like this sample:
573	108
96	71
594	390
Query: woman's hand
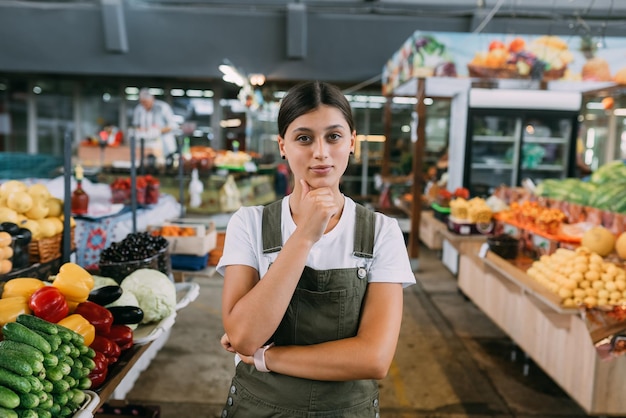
317	206
225	342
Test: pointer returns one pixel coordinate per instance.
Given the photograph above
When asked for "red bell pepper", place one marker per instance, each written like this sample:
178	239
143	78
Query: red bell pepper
98	316
48	303
122	335
99	373
107	347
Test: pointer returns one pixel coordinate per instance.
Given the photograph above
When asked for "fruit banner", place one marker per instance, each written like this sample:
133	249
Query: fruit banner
497	55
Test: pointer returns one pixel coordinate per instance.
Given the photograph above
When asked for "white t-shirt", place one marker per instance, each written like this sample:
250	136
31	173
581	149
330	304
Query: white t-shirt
243	245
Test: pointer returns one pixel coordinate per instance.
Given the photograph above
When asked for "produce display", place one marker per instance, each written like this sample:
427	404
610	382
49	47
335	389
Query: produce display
581	277
605	190
96	311
137	250
147	188
44	368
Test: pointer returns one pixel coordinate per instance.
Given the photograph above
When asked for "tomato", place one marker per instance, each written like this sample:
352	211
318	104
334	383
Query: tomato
496	45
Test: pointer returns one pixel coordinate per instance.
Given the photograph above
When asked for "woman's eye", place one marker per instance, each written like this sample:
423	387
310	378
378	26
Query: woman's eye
303	138
334	137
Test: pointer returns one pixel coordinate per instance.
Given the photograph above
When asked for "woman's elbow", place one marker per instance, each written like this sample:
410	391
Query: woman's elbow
379	365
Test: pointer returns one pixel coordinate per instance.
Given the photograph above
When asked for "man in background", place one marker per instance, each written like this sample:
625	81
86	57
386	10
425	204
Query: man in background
154	122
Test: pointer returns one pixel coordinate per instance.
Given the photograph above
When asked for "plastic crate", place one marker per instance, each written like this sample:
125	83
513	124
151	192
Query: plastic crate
189	262
20	165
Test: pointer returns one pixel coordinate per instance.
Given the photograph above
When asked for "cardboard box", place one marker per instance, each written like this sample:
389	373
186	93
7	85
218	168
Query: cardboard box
201	244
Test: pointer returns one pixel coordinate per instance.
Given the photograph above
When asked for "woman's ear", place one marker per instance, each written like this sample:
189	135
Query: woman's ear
281	146
352	142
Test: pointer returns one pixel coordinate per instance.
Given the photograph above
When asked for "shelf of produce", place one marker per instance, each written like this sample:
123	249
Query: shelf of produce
557	339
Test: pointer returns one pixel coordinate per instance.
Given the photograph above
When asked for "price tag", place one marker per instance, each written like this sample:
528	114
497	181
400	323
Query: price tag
482	253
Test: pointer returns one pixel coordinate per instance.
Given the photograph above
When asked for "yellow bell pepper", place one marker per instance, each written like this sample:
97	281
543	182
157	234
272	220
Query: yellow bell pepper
11	307
74	282
80	325
21	286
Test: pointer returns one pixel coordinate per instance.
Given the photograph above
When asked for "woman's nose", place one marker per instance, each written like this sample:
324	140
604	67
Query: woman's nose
320	149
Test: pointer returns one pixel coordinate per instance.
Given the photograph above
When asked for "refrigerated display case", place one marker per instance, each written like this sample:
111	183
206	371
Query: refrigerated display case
518	135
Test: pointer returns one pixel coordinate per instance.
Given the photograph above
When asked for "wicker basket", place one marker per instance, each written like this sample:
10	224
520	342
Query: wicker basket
47	249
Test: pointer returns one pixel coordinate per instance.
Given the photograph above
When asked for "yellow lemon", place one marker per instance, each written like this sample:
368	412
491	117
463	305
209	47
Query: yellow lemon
55	206
39	191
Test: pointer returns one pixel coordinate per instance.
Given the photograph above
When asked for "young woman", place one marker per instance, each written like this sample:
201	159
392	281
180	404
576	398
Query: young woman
312	296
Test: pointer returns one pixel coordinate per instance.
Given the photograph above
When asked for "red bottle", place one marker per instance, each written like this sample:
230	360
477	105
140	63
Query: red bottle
80	199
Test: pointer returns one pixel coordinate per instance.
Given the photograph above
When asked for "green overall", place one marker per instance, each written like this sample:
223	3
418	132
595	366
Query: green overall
326	306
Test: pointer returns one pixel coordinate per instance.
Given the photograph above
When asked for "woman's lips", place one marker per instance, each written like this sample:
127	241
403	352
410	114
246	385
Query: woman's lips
321	169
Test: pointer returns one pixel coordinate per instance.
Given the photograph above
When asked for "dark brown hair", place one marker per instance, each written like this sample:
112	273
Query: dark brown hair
306	97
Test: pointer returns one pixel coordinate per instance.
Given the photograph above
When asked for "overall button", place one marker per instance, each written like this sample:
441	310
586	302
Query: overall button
230	401
375	403
224	413
361	273
233	389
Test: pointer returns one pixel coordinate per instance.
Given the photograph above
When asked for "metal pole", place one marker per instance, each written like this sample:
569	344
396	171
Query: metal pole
181	177
67	196
133	180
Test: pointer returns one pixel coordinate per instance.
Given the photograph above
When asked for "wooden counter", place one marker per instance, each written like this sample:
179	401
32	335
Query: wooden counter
556	338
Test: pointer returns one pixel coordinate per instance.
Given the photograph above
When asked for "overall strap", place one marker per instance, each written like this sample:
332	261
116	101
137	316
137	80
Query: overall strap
364	232
271	230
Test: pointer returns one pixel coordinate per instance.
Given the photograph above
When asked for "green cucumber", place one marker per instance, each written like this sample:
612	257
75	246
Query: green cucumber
35	383
47	404
64	349
70	381
50	360
88	363
46	384
43	396
78	397
64	333
53	340
24	348
35	323
54	373
91	353
36	365
65	411
7	413
20	333
15	362
29	400
83	349
84	383
43	413
26	413
8	398
75	352
55	410
14	381
76	338
60	386
60	398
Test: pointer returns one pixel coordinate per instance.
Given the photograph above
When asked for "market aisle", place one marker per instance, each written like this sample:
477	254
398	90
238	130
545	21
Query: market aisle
451	362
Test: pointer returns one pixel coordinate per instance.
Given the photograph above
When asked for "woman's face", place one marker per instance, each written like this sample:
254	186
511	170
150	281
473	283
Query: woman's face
317	146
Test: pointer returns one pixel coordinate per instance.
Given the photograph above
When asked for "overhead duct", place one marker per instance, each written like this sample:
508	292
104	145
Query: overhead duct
115	38
296	31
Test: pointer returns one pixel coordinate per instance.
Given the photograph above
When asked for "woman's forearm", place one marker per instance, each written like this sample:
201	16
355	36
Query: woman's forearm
255	316
368	355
